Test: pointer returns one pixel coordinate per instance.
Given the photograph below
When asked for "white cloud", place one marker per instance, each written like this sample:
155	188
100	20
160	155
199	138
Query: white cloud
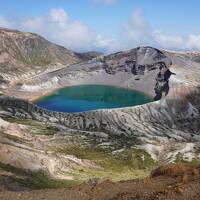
193	41
137	30
58	16
168	41
190	42
137	22
5	23
57	27
102	42
33	24
75	35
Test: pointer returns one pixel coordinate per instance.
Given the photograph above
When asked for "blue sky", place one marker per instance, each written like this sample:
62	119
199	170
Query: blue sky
107	25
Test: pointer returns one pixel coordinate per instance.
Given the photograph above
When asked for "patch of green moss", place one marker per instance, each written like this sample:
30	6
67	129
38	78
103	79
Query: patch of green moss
35	127
195	125
43	129
35	180
129	164
180	159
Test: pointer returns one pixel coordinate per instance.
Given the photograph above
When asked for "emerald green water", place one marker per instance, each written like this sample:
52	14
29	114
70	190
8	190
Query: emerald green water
91	97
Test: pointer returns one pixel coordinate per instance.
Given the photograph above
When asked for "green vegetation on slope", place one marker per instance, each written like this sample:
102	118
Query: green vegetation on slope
35	127
129	164
180	159
35	180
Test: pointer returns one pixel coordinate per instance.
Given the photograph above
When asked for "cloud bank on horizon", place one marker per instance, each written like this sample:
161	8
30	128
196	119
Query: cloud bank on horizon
58	27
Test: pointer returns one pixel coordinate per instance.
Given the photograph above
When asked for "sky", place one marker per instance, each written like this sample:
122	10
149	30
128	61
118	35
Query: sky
107	25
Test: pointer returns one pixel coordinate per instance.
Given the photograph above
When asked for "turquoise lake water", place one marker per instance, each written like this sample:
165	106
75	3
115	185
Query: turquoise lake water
91	97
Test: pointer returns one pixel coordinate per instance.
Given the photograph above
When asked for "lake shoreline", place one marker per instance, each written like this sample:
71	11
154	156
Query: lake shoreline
91	97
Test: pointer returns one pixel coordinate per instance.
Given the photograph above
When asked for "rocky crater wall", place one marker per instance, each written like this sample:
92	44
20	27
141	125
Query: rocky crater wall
166	118
145	69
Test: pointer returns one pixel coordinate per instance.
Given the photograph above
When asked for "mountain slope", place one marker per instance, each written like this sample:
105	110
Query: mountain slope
28	53
88	55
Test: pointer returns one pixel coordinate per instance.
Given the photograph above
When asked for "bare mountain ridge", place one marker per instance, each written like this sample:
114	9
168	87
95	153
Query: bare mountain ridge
24	53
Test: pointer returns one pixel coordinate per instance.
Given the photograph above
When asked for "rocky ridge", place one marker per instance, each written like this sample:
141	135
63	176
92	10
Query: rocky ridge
24	55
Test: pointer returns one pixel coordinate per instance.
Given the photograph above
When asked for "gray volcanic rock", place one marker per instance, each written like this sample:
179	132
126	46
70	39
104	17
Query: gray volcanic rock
88	55
137	69
137	60
162	81
140	62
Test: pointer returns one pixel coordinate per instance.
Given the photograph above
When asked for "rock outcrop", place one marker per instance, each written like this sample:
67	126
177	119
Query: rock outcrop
88	55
